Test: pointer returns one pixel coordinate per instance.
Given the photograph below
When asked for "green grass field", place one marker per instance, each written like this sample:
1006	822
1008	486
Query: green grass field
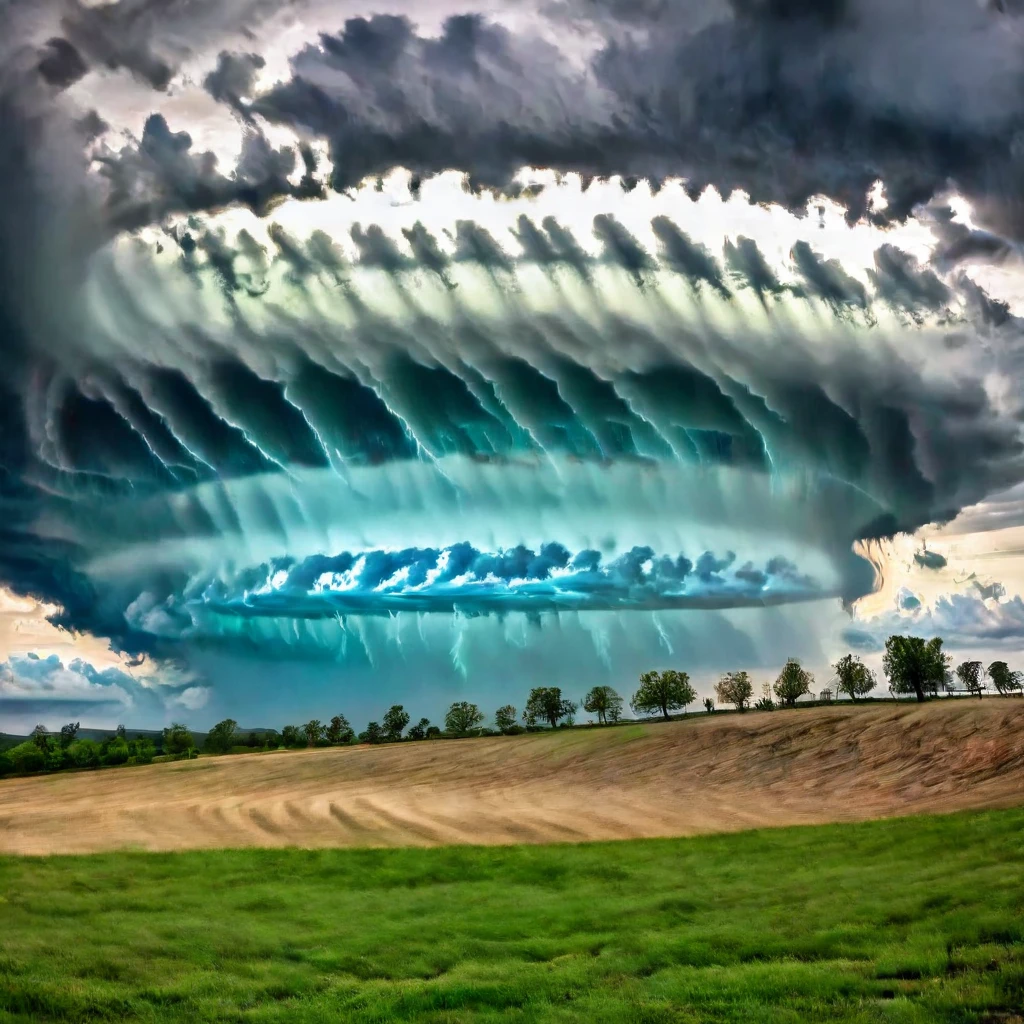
917	919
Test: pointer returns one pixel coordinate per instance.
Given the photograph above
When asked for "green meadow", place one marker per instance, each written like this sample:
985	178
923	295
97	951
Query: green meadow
908	920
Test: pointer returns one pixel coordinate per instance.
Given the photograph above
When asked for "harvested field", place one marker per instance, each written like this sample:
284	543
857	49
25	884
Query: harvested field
710	774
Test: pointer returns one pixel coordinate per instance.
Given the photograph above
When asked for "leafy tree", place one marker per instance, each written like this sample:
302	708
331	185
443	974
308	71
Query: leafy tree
27	757
177	739
853	677
374	733
396	718
6	765
663	691
1003	679
292	736
462	717
40	737
505	718
604	702
120	731
735	688
709	705
141	751
433	732
339	730
68	733
969	674
221	738
793	682
313	730
419	730
913	665
545	704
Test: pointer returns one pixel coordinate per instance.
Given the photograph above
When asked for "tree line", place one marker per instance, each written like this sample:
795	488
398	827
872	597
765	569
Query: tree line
911	665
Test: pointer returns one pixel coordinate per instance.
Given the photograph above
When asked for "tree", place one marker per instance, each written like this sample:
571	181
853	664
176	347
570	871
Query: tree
291	736
1003	679
68	733
793	682
735	688
313	730
121	731
433	732
545	703
178	739
853	677
374	734
969	674
462	717
663	691
221	738
396	718
339	730
604	702
40	737
505	718
709	705
913	665
419	730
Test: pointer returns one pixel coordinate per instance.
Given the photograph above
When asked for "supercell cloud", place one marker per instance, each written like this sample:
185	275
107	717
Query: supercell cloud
383	364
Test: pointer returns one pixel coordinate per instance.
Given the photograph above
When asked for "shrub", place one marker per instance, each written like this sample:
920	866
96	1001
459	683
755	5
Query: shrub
27	757
177	739
84	753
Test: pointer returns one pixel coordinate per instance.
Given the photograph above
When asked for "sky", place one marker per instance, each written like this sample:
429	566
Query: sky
360	354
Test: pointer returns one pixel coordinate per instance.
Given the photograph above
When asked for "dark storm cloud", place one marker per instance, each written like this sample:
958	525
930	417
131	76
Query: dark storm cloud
786	100
234	79
904	285
690	259
748	267
827	279
162	175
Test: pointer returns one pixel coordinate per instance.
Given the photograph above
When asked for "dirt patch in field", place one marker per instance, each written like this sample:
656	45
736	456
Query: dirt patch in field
710	774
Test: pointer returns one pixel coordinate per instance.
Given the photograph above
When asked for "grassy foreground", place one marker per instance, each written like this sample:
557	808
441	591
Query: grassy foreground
916	919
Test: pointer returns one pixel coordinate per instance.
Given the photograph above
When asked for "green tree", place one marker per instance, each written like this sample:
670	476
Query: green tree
396	718
969	674
291	736
221	738
27	757
663	691
913	665
604	702
120	731
709	705
419	730
505	718
545	704
433	732
853	677
177	739
374	734
794	681
339	731
462	717
735	688
313	730
6	765
1003	679
40	737
68	733
116	752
